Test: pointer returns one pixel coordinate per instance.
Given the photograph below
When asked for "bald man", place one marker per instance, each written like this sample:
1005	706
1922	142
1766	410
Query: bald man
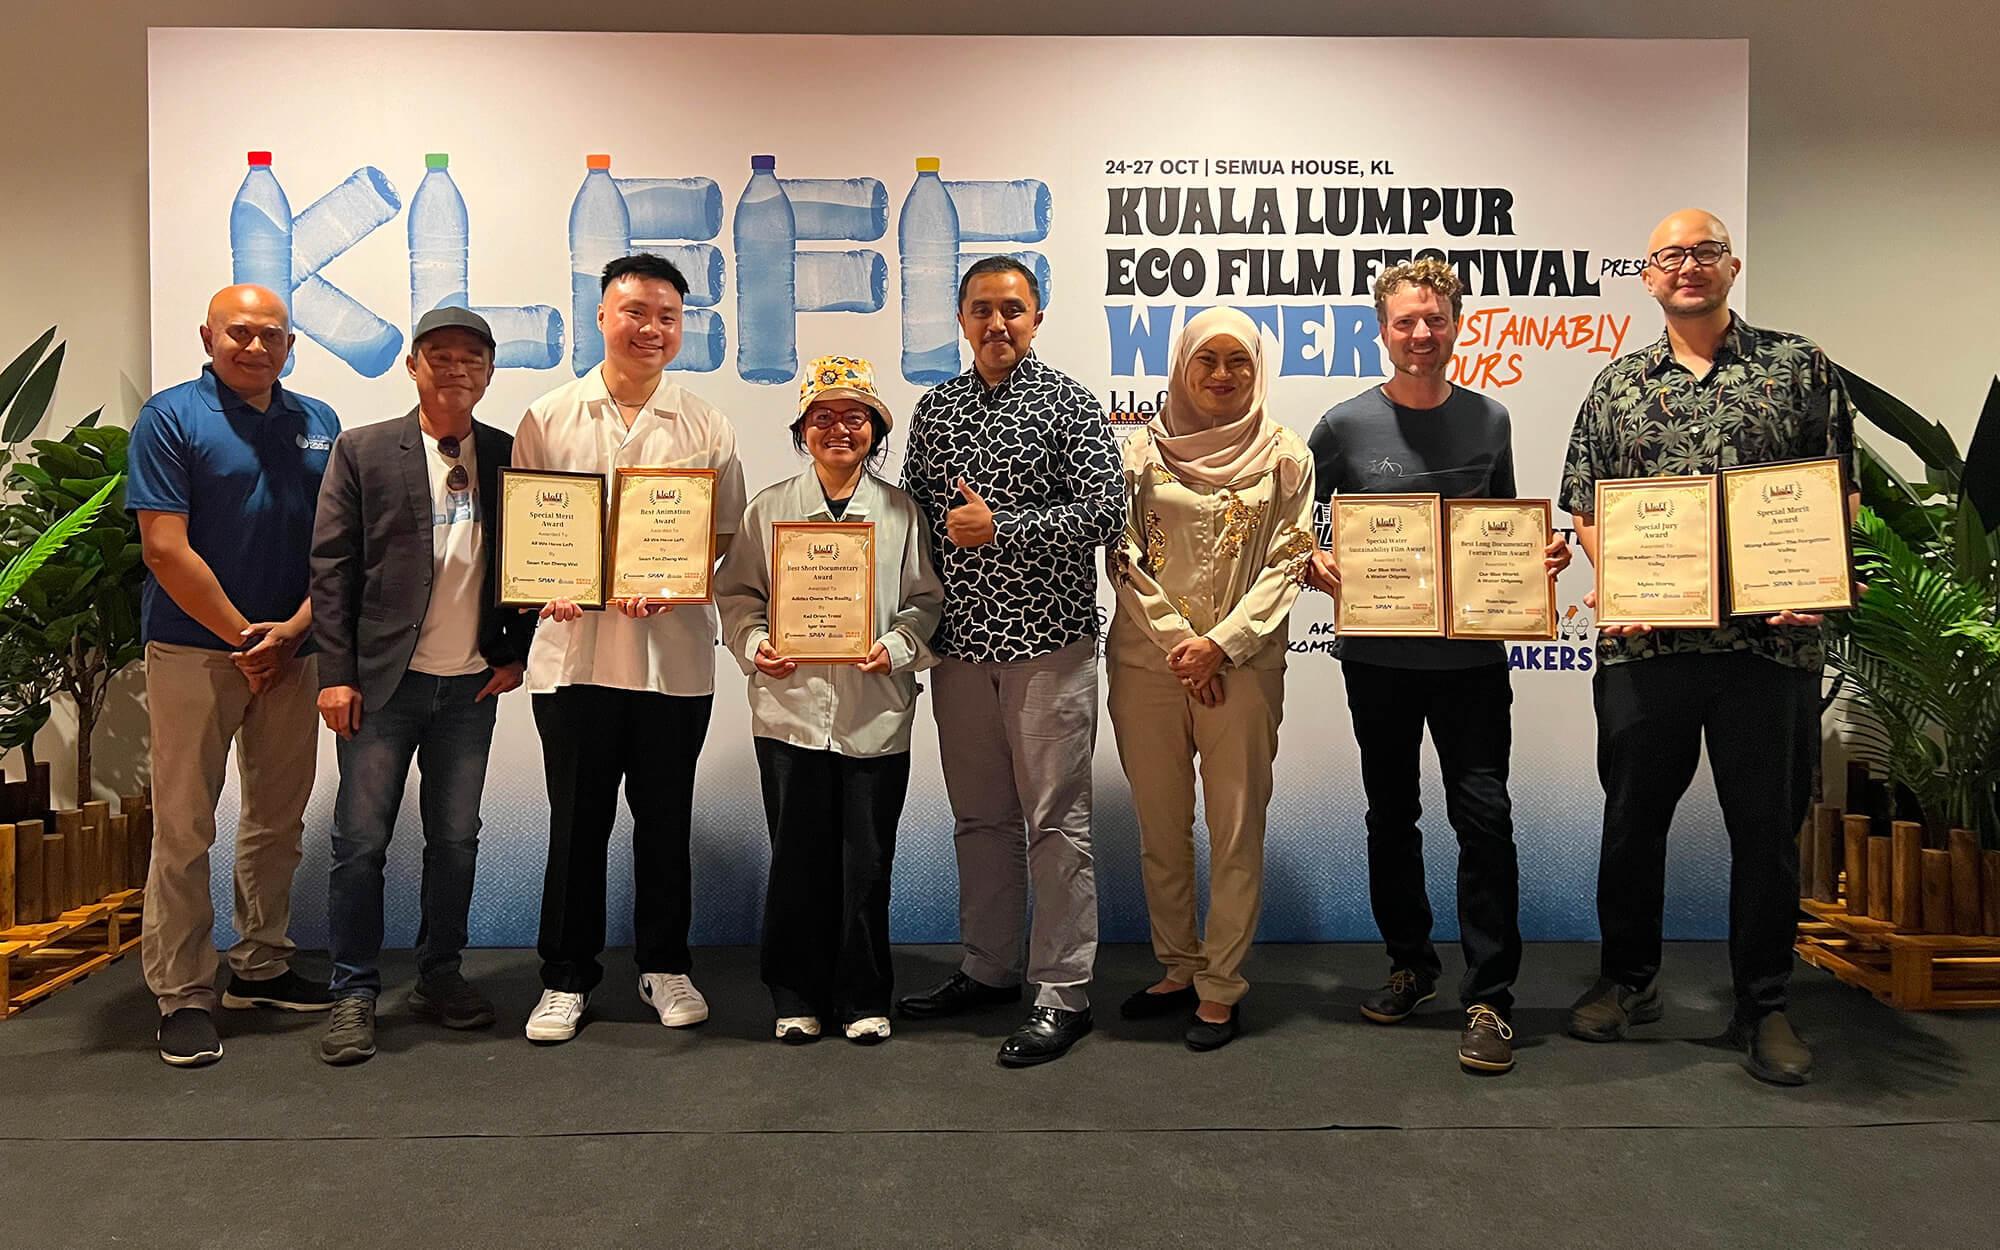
1713	392
224	476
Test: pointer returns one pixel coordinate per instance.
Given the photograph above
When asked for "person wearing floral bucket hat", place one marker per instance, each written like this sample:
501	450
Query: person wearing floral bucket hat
833	739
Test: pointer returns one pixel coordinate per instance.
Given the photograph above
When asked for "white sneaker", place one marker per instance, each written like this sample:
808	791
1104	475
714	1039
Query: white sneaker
674	996
556	1016
869	1030
793	1030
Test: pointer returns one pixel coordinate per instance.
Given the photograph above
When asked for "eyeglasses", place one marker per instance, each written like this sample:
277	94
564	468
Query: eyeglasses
826	419
1705	255
458	479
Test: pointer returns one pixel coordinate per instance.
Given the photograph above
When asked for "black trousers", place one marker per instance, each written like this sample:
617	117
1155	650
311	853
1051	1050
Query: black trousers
826	911
1761	720
594	737
1471	723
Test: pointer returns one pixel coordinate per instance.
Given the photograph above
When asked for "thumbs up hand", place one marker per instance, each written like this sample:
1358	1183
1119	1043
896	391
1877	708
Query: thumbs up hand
970	524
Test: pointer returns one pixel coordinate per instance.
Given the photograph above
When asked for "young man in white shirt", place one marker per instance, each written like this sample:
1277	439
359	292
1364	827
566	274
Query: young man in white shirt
414	654
623	695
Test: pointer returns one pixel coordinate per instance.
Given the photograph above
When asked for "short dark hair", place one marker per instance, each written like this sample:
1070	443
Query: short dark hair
644	265
999	264
878	437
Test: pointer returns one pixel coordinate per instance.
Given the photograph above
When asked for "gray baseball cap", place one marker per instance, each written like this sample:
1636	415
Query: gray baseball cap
449	317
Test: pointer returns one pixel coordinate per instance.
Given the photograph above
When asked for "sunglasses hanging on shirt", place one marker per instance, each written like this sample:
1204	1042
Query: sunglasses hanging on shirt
458	479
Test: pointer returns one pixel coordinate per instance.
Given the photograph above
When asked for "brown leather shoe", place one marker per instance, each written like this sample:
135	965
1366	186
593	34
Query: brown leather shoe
1487	1045
1772	1051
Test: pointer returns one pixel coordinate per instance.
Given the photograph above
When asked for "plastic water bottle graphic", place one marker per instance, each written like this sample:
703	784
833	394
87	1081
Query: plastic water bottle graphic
766	247
438	229
525	336
1037	264
856	281
338	220
600	231
337	322
929	238
672	208
839	208
1001	212
260	230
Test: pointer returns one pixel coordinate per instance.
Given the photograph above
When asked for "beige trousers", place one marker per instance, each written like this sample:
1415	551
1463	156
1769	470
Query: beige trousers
1161	732
199	702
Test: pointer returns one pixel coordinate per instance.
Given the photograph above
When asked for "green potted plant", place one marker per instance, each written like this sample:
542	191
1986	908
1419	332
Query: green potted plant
1918	660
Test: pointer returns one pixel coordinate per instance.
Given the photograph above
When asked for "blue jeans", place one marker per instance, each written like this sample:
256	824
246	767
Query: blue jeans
435	720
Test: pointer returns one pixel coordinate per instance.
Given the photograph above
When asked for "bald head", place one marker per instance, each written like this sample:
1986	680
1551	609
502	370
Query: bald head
247	297
1690	266
1685	228
248	336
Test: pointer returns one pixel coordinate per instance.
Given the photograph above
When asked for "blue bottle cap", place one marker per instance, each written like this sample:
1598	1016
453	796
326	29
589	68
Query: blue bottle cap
763	164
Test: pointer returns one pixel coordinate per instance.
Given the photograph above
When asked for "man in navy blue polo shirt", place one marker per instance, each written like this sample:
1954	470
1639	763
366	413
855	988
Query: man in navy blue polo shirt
224	477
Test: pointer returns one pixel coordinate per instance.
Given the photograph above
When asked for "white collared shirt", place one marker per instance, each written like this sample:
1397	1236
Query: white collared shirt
576	428
836	707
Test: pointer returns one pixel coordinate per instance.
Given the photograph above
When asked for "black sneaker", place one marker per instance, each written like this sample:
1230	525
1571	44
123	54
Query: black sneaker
188	1038
450	1000
350	1034
1772	1051
1607	1009
288	991
954	994
1393	1003
1487	1045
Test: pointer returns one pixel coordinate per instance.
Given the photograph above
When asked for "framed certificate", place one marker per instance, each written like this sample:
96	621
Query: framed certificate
1387	549
1496	586
663	535
822	608
1659	555
1789	542
551	538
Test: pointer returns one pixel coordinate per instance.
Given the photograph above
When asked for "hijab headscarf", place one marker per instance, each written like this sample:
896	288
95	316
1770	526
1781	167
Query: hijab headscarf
1215	455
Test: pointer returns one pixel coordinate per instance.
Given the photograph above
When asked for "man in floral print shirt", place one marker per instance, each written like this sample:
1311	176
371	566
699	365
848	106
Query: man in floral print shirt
1713	392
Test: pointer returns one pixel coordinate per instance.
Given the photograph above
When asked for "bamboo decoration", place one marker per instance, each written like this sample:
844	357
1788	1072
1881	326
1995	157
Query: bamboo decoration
1879	897
1826	853
97	864
69	832
1965	871
6	876
1990	891
142	841
1937	891
117	852
29	898
1854	842
1906	875
55	876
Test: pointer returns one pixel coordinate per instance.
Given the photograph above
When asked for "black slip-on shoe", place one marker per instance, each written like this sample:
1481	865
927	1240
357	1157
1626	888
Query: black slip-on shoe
288	991
1146	1005
1205	1035
1772	1051
1607	1009
188	1039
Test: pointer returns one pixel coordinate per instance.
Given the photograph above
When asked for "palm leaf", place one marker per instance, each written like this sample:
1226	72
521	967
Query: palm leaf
24	563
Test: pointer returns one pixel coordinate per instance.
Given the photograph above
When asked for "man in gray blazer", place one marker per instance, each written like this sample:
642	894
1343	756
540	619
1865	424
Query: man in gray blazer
414	651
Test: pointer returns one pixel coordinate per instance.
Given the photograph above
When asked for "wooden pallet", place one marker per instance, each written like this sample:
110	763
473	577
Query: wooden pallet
1908	971
36	960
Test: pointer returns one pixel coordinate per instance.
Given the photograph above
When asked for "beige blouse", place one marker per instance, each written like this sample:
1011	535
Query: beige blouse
1226	563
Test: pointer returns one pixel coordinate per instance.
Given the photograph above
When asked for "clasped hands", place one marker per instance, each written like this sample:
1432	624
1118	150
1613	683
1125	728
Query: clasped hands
267	647
1197	664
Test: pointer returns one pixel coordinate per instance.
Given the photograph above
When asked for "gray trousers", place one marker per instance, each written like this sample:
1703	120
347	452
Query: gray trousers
1015	740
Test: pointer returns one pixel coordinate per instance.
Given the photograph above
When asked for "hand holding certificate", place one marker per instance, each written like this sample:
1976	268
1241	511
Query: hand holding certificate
822	607
1789	549
663	536
551	538
1386	548
1658	553
1499	585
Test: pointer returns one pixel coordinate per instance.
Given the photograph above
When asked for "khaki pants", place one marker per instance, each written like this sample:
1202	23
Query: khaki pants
198	702
1160	732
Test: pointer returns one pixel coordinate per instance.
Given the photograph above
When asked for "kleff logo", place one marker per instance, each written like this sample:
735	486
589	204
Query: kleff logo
1498	527
1655	507
1775	492
557	498
1384	525
666	494
822	551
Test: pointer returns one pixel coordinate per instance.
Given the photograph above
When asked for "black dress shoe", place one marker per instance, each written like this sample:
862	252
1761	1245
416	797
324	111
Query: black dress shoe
1146	1005
954	994
1048	1034
1206	1035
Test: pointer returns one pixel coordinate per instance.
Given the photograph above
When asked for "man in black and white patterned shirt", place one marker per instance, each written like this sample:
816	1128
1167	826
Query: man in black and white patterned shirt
1015	469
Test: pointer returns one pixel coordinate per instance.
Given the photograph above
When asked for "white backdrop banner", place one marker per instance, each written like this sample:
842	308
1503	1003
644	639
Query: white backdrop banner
1143	179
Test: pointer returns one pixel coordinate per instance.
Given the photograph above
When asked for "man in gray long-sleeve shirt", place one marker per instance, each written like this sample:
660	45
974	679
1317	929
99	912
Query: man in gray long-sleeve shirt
1015	469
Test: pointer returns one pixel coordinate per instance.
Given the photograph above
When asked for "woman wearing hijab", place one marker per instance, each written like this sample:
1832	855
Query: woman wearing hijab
833	739
1219	530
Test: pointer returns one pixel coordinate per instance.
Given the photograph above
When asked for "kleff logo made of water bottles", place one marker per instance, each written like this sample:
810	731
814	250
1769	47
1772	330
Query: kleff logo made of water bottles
943	227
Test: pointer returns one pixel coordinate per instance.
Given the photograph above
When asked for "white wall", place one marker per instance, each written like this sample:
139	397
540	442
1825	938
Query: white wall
1874	159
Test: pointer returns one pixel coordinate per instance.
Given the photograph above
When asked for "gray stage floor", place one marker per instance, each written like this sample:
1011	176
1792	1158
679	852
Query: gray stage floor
1314	1128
